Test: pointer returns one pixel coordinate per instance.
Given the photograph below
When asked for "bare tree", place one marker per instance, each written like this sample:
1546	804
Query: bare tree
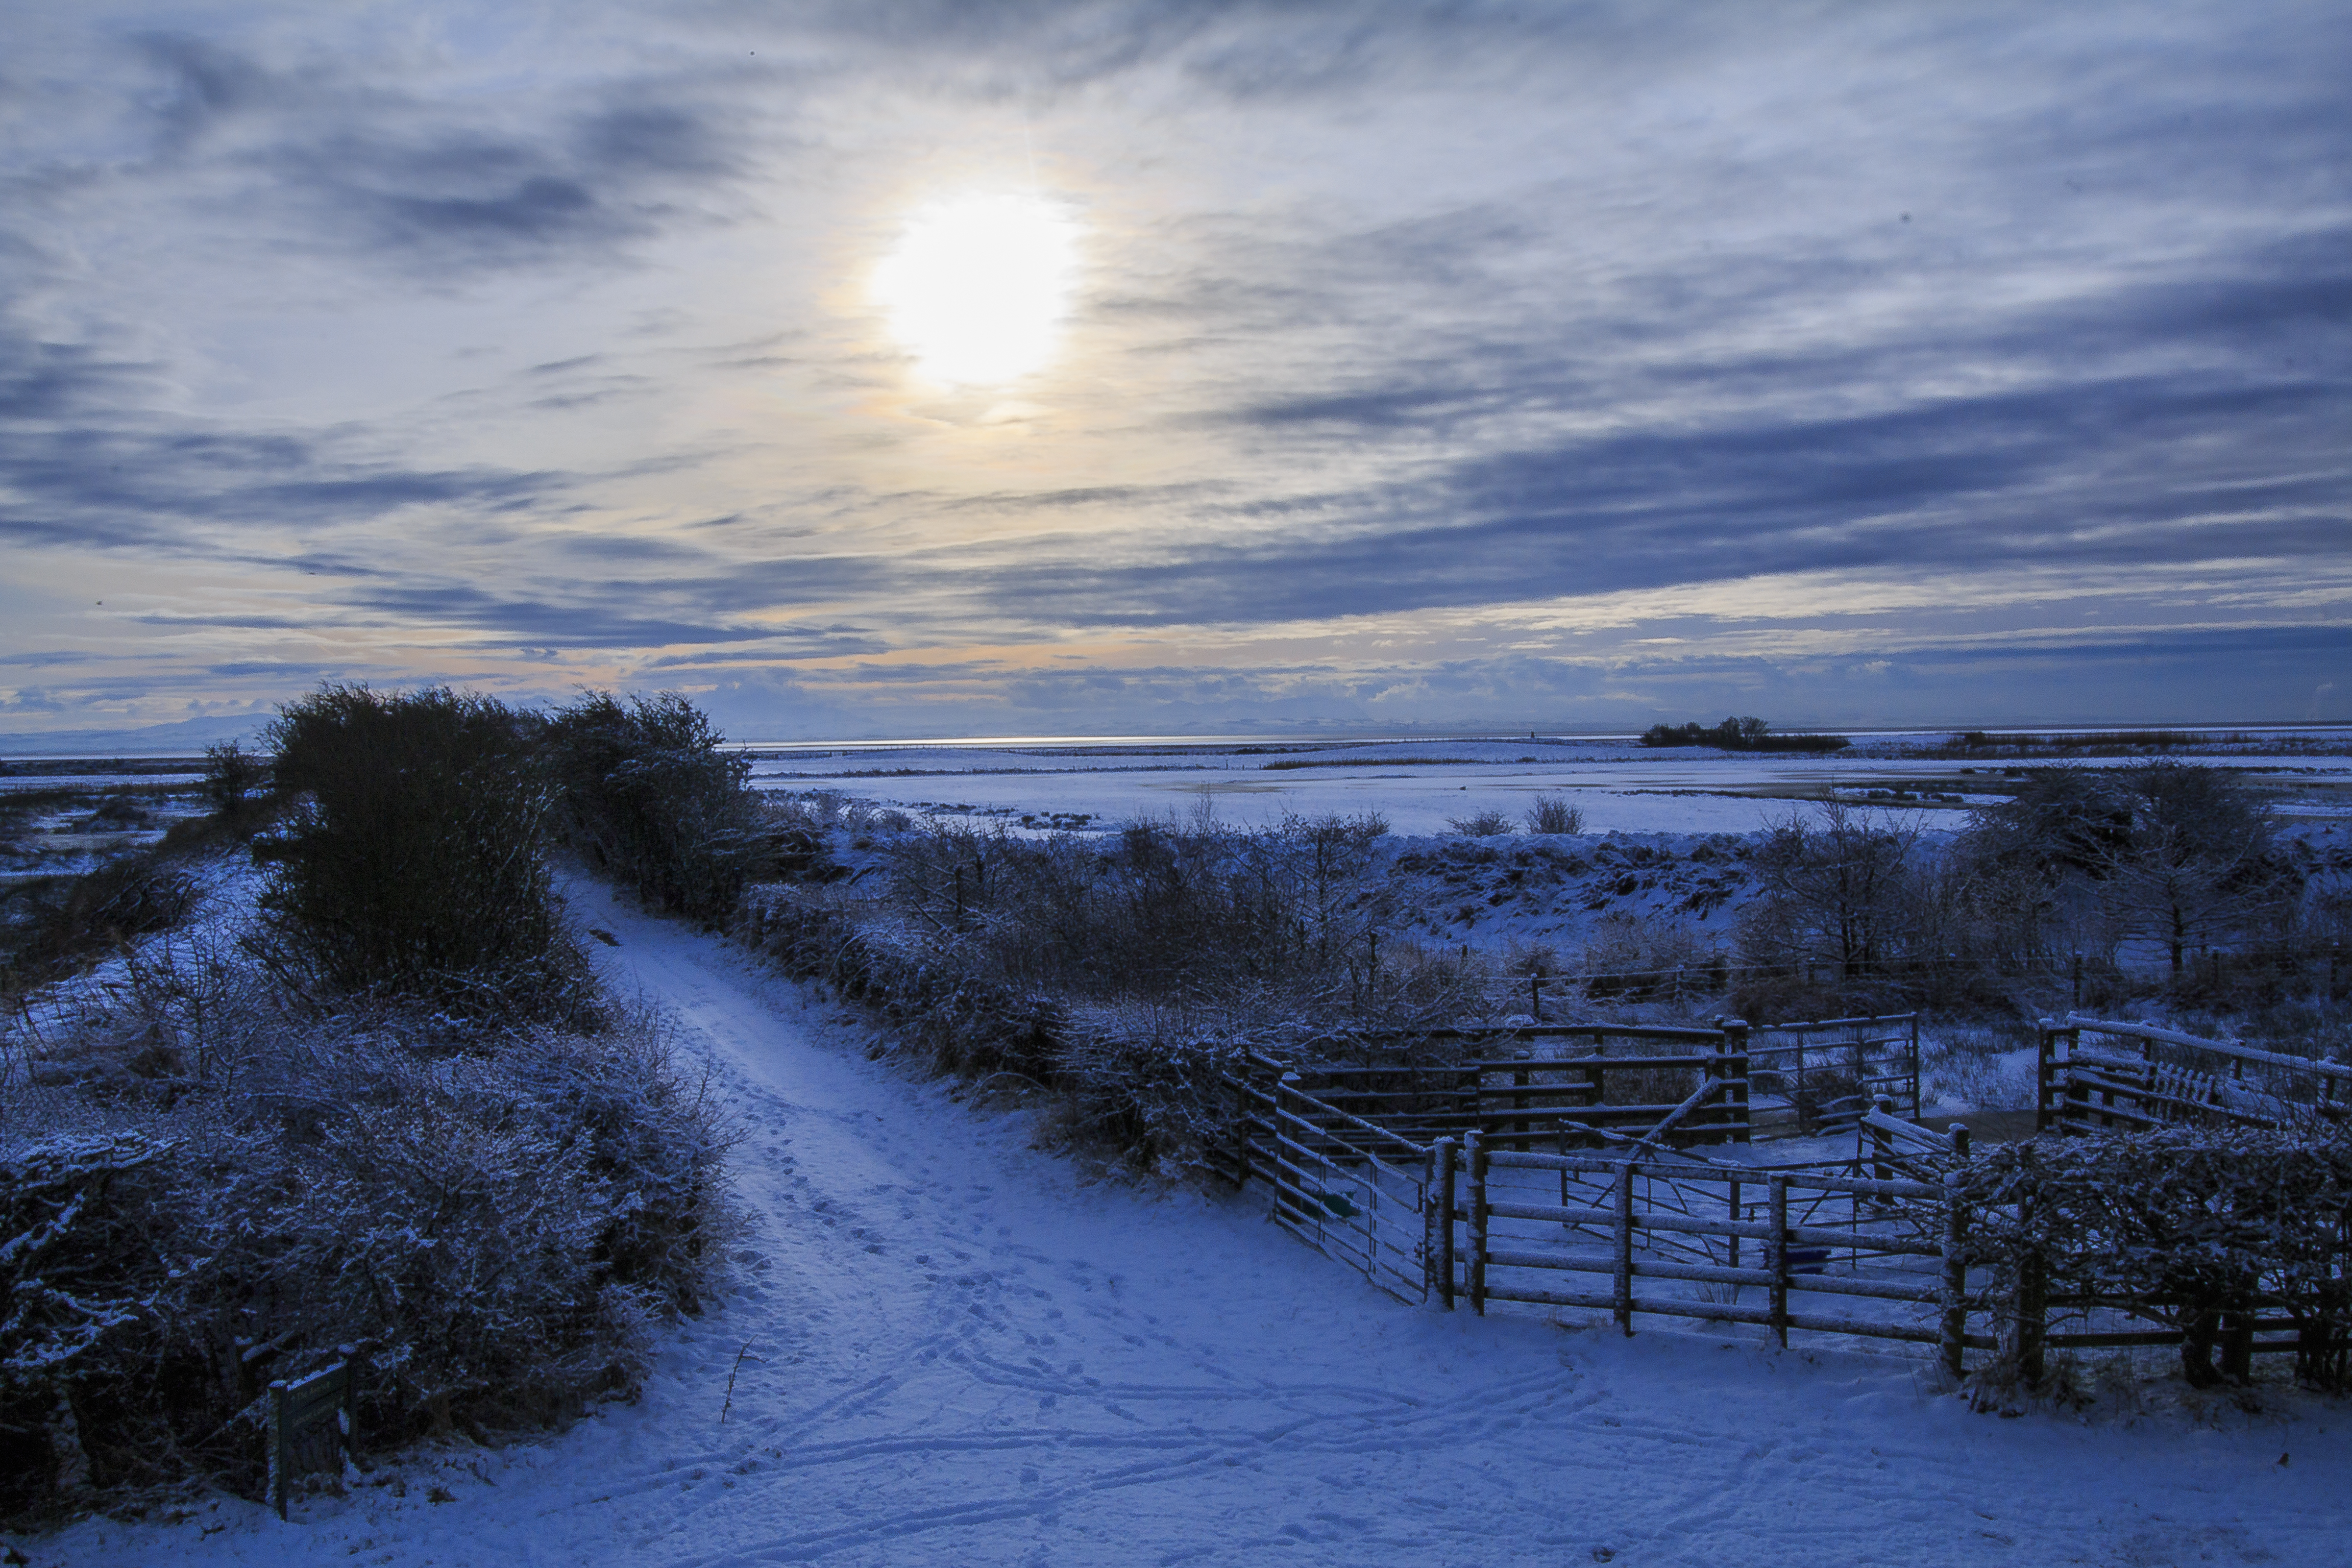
1839	889
2169	853
2198	863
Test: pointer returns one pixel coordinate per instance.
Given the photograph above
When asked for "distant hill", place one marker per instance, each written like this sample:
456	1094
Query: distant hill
185	738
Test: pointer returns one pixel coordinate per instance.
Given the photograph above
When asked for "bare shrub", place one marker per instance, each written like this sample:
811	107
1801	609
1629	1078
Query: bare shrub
1834	892
1169	913
1627	956
1530	958
2172	855
232	774
1480	824
1555	814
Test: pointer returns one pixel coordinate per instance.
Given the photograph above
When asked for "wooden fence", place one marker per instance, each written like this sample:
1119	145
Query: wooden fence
1474	1183
1591	1080
2139	1075
1839	1245
1817	1078
1564	1086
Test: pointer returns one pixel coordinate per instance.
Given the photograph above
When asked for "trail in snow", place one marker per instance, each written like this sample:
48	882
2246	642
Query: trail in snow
948	1347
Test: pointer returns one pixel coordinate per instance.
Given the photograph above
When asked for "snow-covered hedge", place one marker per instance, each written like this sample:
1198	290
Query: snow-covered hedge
647	794
203	1188
1145	1083
2191	1224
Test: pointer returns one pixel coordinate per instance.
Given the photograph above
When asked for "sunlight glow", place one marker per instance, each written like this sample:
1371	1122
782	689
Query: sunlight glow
977	287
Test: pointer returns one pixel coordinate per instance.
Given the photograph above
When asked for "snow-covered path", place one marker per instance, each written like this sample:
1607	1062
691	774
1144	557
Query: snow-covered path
960	1353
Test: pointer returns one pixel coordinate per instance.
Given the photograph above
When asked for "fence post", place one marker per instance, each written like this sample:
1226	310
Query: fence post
1882	1143
2045	1074
1918	1105
1952	1332
1732	1203
348	1413
2238	1346
2032	1318
1596	1077
281	1461
1444	1153
1477	1218
1625	1246
1245	1112
1775	1251
1805	1117
1735	1043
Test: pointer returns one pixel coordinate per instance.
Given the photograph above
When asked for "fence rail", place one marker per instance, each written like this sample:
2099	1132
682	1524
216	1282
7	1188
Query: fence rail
2140	1076
1718	974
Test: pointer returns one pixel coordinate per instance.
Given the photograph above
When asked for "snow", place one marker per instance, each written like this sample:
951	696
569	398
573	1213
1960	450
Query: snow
949	1346
1621	786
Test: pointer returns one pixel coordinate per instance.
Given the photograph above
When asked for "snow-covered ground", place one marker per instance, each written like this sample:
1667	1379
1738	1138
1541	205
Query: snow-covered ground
950	1347
1420	786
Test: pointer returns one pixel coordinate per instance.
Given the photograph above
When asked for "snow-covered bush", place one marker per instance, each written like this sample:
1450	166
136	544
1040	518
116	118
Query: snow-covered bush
1141	1070
2191	1225
50	924
1980	1065
206	1184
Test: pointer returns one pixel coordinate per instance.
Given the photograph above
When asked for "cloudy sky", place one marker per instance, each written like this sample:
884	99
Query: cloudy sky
938	368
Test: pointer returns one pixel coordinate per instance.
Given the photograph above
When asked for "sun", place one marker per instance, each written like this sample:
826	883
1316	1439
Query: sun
977	287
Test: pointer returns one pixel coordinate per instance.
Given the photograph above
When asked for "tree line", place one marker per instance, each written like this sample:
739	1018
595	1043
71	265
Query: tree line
1744	733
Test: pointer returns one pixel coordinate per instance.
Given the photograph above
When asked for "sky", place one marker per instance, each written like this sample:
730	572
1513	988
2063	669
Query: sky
885	369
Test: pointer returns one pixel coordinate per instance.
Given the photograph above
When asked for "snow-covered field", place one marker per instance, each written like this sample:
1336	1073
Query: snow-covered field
1420	786
950	1347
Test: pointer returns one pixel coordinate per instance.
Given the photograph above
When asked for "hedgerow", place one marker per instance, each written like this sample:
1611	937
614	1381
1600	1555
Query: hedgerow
2190	1226
202	1188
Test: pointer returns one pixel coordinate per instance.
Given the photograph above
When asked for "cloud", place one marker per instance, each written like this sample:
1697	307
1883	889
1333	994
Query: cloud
402	171
483	341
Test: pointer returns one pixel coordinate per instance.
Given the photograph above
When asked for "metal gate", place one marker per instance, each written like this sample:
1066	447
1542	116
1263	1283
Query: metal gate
1353	1190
